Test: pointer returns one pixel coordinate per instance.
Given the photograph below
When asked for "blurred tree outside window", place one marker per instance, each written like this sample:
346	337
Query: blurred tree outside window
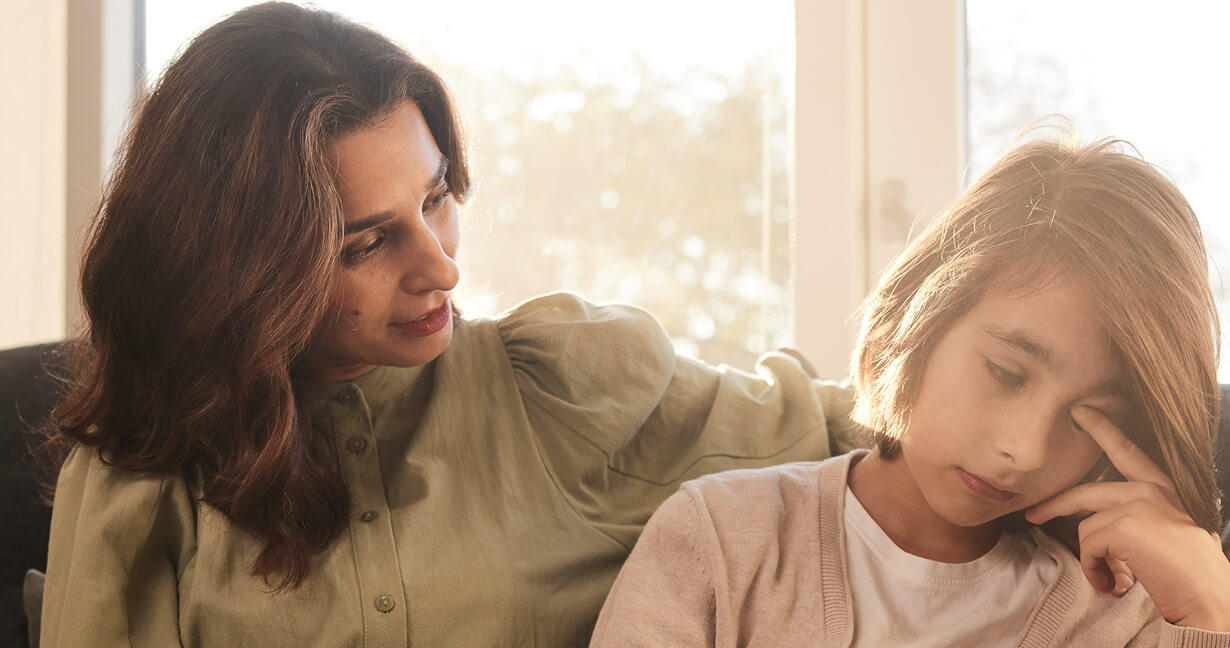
633	152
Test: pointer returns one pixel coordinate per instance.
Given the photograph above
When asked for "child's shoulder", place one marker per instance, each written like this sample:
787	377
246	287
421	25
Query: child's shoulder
770	494
763	534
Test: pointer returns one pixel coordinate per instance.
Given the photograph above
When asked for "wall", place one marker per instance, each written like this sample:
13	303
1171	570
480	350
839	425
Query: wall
33	51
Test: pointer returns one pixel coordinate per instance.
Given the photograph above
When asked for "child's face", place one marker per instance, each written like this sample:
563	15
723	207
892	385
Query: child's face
990	432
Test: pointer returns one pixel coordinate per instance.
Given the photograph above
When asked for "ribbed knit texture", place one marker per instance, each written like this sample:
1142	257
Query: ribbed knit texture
835	587
757	558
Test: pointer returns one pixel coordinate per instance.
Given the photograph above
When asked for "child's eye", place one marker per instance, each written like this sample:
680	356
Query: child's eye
1003	376
351	257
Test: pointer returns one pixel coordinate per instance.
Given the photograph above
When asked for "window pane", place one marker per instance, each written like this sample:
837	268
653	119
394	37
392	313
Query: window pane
633	151
1151	73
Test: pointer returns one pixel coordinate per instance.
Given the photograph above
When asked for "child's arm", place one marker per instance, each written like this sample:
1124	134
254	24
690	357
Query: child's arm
664	596
1141	522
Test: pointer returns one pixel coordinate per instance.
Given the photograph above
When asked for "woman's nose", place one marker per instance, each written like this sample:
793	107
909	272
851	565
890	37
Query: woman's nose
429	263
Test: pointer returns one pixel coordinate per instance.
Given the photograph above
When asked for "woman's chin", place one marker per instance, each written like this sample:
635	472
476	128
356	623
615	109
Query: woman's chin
418	351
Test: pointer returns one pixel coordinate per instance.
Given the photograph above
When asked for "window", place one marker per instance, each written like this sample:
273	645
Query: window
634	151
675	157
1148	73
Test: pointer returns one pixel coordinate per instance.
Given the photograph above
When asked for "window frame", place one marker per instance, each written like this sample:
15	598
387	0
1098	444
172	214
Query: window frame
879	145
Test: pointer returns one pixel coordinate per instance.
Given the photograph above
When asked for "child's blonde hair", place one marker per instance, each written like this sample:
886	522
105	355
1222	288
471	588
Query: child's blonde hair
1104	217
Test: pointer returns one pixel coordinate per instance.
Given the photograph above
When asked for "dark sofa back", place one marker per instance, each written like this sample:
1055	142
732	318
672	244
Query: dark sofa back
26	396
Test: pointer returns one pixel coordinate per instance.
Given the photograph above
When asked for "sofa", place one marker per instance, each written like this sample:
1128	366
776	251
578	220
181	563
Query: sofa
27	394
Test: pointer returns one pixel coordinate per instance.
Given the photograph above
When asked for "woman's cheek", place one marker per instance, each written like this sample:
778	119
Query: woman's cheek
450	232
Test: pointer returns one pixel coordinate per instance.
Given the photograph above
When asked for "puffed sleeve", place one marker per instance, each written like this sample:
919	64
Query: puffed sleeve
664	595
119	543
622	420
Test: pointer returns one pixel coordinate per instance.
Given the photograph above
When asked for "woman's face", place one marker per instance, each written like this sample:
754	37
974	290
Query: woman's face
391	304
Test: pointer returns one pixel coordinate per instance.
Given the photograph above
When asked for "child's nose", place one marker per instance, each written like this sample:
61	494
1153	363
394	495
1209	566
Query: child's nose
1025	441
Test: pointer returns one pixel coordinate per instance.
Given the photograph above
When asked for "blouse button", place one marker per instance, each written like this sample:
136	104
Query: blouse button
356	444
346	396
385	603
369	516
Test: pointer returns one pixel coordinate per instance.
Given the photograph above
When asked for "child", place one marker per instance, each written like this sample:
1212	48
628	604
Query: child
1061	308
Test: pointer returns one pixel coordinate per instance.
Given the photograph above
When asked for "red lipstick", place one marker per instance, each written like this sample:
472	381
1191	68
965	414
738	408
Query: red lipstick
429	324
984	489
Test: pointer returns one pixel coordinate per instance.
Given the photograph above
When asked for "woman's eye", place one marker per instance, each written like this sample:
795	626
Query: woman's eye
435	203
354	256
1003	376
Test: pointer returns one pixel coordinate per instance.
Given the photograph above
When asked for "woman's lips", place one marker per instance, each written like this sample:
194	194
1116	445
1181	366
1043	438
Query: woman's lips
984	489
428	324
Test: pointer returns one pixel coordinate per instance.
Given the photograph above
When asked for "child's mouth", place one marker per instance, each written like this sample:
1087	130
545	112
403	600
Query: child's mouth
984	489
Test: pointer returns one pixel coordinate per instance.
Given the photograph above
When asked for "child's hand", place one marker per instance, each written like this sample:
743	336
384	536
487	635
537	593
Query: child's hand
1141	523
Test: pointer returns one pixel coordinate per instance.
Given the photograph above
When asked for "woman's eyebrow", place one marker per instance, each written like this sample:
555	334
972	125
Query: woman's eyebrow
366	223
441	169
376	219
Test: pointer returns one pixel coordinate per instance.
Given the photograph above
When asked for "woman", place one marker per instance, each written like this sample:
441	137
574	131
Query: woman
281	433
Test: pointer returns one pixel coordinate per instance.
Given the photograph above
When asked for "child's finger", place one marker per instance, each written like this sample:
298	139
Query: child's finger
1124	578
1130	460
1095	497
1113	575
1098	555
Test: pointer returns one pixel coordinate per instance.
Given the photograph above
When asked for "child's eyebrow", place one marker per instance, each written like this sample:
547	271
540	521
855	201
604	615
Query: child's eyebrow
1021	340
1112	387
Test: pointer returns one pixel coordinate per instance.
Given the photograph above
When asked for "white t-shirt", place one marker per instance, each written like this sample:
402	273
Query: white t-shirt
900	599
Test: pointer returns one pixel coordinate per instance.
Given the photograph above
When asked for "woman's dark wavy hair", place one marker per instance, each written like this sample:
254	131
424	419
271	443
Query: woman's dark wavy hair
213	255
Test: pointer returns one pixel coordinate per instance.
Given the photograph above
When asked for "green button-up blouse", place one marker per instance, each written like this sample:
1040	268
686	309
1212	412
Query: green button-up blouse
496	492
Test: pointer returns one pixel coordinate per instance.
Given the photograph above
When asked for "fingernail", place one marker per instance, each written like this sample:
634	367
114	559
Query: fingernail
1123	583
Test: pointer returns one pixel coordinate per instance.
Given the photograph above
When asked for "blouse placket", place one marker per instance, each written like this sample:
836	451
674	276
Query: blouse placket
377	567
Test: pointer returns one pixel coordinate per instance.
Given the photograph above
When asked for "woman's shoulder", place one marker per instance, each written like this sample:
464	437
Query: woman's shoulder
568	319
581	353
91	462
87	481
